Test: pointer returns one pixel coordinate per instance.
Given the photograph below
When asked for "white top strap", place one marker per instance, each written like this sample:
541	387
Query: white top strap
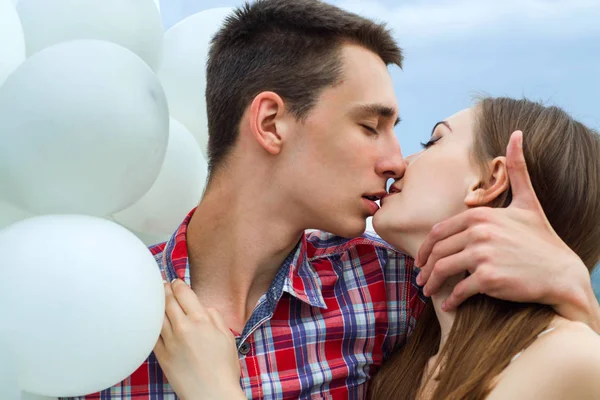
538	336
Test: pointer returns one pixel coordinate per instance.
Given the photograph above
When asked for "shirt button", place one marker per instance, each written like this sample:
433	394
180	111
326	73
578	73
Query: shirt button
244	348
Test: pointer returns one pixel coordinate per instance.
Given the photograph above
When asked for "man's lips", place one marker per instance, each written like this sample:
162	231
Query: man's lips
371	205
371	198
375	196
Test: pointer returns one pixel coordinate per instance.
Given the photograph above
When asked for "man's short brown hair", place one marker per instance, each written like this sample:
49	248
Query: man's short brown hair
290	47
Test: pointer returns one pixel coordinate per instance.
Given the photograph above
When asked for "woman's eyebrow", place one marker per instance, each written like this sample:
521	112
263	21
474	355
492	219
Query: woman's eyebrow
445	123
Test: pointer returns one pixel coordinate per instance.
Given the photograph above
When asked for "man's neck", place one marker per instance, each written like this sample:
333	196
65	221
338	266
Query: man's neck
236	244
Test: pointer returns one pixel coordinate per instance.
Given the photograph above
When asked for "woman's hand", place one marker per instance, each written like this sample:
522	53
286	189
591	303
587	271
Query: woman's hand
196	350
511	253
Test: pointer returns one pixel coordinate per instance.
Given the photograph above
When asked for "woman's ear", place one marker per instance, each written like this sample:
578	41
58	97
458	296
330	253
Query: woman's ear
266	121
495	183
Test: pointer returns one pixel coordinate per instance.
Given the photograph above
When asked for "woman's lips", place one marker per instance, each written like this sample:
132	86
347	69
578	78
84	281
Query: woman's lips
389	194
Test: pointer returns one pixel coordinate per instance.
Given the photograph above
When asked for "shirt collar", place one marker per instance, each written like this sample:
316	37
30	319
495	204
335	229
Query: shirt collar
299	276
302	280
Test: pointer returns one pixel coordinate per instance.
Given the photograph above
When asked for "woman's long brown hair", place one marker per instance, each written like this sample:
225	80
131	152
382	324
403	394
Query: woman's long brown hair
563	159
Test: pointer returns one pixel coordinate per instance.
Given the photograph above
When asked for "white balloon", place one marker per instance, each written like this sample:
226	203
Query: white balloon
9	383
88	123
369	227
12	42
150	239
9	377
87	302
177	189
9	214
183	69
134	24
33	396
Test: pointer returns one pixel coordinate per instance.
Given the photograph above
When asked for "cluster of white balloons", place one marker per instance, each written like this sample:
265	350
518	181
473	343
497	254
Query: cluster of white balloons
103	137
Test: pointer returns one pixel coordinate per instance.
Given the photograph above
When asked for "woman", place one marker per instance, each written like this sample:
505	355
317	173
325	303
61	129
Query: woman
490	348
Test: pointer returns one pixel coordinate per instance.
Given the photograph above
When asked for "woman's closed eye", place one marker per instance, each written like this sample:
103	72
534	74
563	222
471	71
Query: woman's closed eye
430	142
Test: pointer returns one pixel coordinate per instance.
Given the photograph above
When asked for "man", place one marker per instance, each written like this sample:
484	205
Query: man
301	112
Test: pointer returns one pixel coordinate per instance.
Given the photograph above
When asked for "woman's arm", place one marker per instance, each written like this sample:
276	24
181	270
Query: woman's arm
196	350
563	364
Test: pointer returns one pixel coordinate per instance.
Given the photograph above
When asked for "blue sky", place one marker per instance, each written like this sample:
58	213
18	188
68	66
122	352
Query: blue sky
545	50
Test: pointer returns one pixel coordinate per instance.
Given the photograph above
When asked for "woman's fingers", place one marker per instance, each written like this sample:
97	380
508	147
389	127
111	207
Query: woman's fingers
183	308
159	348
173	310
167	329
442	250
462	291
219	321
187	299
444	230
448	267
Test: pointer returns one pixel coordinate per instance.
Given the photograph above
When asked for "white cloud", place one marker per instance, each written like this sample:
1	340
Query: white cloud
435	21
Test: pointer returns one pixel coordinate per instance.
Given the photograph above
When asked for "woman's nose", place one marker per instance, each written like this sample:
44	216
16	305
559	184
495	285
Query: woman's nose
410	159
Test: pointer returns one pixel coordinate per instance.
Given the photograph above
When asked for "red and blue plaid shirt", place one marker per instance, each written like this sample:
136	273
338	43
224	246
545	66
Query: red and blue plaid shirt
335	310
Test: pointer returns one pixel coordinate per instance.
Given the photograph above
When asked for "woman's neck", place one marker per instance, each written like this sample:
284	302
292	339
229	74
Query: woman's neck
446	321
445	318
411	244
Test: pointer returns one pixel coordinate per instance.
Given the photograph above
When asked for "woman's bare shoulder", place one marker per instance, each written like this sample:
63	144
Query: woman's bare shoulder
564	363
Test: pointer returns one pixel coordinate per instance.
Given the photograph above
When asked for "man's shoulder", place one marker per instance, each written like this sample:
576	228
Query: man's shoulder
323	244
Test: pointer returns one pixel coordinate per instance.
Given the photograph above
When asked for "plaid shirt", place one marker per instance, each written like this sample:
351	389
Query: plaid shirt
336	308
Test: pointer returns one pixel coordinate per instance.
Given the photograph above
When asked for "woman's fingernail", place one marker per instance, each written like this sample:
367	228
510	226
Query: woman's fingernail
419	279
173	280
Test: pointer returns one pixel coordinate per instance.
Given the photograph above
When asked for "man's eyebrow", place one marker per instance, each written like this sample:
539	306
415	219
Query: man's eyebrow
445	123
378	109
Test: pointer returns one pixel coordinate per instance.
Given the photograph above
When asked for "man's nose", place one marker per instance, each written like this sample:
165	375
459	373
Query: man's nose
392	166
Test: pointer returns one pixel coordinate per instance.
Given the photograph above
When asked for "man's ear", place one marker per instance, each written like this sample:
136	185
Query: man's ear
267	124
494	183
